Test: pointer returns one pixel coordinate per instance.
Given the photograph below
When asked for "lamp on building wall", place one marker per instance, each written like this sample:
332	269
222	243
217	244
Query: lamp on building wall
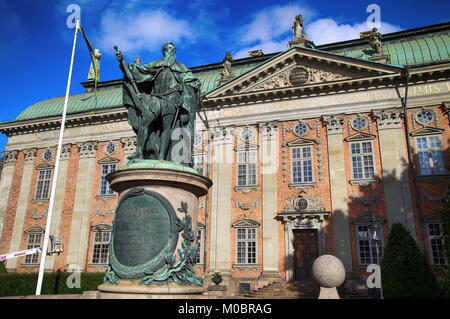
374	229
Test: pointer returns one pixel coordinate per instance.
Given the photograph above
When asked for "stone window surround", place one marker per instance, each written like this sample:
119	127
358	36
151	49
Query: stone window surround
35	230
365	220
433	218
303	183
43	167
246	224
247	147
201	227
423	132
99	228
301	142
359	138
107	160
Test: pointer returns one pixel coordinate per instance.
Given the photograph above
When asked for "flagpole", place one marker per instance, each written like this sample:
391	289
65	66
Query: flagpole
55	174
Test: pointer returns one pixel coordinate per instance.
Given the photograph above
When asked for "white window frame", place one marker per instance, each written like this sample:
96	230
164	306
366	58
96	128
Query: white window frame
34	240
436	254
302	160
249	242
361	156
100	247
104	187
250	162
372	247
43	183
431	169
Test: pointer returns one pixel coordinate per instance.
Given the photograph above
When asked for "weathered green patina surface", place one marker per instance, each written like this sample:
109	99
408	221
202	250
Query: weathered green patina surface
141	229
145	231
147	251
162	99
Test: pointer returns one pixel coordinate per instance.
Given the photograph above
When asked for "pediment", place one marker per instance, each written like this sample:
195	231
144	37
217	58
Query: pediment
368	219
44	166
302	141
427	131
302	67
246	223
360	136
108	160
246	147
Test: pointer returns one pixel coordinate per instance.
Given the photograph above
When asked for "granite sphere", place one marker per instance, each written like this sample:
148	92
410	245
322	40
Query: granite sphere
328	271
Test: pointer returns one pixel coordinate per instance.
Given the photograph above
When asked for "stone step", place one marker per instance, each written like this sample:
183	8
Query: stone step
300	290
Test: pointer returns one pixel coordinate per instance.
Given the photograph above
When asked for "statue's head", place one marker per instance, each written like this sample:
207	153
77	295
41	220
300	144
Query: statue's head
169	47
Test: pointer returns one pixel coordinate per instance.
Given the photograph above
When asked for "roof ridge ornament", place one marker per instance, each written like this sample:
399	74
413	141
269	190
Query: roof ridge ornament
374	38
299	39
227	73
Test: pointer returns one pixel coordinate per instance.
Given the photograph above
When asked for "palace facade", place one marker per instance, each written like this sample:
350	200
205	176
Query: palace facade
306	148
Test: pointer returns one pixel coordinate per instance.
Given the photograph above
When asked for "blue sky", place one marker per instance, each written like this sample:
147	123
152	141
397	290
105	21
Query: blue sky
36	43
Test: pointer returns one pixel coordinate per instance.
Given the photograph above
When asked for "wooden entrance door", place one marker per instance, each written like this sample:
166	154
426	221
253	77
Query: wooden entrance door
306	250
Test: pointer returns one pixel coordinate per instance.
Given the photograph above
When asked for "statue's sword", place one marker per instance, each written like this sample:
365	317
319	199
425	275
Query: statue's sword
133	82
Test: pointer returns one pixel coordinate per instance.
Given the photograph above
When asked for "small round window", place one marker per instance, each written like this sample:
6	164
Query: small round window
247	134
300	129
359	123
47	155
424	117
111	148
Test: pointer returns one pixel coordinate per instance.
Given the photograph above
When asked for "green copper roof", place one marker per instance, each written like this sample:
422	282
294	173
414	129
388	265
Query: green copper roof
112	97
210	79
77	103
409	52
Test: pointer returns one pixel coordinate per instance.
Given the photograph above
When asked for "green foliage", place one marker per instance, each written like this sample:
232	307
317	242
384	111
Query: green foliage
443	272
14	284
405	271
2	268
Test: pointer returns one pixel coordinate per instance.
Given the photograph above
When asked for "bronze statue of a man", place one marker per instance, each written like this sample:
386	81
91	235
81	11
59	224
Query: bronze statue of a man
161	97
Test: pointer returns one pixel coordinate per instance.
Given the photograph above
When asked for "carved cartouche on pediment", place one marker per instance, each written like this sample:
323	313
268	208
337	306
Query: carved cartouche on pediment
313	76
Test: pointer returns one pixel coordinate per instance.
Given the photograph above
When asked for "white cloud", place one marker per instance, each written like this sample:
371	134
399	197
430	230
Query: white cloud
270	29
328	31
143	30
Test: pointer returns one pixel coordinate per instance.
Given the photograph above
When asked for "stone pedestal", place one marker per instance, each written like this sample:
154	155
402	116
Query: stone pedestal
297	43
153	245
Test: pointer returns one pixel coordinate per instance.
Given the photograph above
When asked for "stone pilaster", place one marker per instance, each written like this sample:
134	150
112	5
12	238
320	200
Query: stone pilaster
80	217
58	203
394	159
338	189
5	184
221	199
269	170
22	203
